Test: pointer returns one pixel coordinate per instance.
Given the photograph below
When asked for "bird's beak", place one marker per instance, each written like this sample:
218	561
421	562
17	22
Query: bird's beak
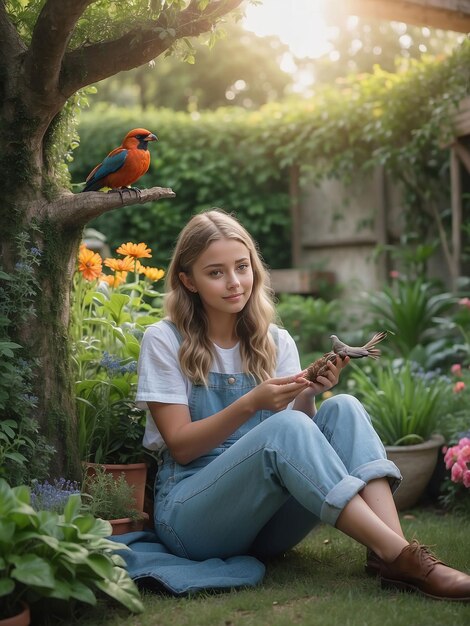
151	137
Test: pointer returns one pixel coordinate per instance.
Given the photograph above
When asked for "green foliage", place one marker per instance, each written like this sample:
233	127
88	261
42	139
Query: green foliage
66	557
24	452
107	497
215	159
310	321
404	404
240	69
409	309
107	325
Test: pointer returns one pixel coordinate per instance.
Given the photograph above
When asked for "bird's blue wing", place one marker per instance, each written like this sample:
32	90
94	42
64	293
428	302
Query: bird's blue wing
109	165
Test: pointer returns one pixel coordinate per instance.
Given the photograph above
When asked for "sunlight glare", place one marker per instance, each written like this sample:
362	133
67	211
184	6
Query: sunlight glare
300	24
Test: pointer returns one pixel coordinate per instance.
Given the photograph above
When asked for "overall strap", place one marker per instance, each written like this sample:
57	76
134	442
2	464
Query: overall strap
176	332
274	330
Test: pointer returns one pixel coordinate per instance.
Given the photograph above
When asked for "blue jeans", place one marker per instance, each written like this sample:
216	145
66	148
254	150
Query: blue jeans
263	492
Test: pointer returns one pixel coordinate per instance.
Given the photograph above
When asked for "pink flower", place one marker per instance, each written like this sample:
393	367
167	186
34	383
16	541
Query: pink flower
465	302
456	473
451	456
464	454
456	369
459	386
466	478
394	274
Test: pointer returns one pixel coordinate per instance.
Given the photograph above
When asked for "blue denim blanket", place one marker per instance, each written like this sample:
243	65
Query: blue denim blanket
151	564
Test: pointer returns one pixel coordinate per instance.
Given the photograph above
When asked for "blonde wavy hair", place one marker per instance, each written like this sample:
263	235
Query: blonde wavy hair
184	308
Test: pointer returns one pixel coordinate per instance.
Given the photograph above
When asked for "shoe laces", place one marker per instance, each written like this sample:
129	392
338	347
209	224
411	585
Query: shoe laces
427	559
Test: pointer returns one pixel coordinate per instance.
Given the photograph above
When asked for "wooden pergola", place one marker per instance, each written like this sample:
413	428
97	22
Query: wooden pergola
446	15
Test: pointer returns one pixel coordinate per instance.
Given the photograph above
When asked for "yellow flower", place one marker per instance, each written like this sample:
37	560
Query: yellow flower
135	250
120	265
89	263
152	273
326	395
115	280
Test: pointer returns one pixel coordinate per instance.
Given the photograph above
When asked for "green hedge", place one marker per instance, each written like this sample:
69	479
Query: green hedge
240	160
209	161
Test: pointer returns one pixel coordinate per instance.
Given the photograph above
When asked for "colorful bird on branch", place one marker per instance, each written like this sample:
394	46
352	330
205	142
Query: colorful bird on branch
341	349
124	165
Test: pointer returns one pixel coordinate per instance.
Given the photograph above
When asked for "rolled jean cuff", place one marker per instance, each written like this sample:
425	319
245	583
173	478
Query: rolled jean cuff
380	468
339	497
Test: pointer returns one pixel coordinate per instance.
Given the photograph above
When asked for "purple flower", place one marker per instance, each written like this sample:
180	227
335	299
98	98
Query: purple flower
52	497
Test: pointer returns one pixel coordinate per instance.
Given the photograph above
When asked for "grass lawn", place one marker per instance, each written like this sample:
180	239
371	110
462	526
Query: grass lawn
321	582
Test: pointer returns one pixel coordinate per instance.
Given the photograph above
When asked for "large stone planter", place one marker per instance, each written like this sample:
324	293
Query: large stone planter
416	464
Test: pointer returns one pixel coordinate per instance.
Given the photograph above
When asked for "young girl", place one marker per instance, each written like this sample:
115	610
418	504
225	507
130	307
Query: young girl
249	466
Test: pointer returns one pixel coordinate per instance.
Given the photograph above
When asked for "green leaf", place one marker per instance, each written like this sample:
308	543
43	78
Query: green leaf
123	589
33	570
72	507
7	586
101	565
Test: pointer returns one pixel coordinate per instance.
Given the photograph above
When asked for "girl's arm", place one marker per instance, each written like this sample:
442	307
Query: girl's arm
188	440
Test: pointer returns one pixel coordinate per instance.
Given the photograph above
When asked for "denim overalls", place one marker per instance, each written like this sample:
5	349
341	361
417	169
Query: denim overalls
271	482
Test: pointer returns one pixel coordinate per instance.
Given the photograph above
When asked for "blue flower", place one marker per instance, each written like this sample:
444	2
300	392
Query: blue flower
52	497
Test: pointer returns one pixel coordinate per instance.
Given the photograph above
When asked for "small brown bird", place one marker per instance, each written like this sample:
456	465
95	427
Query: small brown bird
341	349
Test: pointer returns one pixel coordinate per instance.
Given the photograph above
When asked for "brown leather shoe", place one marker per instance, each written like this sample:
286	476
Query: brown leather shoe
373	562
416	569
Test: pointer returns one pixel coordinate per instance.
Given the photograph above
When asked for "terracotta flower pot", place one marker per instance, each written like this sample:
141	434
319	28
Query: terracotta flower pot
134	473
127	525
416	464
20	619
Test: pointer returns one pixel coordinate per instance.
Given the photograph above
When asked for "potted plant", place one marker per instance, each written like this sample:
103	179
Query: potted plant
47	556
110	314
112	498
405	405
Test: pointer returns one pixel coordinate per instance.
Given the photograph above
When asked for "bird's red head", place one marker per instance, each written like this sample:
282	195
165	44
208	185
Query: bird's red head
138	138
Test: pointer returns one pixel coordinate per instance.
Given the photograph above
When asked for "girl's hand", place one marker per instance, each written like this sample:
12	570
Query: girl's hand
331	378
276	393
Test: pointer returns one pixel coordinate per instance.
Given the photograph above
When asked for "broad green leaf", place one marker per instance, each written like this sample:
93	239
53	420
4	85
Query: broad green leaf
33	570
123	589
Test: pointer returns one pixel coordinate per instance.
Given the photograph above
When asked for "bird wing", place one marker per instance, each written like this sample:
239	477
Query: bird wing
112	163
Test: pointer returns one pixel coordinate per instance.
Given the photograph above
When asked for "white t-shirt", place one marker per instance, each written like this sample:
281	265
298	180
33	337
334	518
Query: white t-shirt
160	378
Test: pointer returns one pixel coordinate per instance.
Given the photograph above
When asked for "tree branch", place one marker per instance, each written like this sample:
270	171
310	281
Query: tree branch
49	41
72	210
90	64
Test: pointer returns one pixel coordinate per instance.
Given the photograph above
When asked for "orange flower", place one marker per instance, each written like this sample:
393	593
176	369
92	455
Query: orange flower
114	281
89	263
120	265
135	250
152	273
139	267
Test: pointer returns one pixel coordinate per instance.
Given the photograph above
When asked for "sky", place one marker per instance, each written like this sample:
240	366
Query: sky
298	23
